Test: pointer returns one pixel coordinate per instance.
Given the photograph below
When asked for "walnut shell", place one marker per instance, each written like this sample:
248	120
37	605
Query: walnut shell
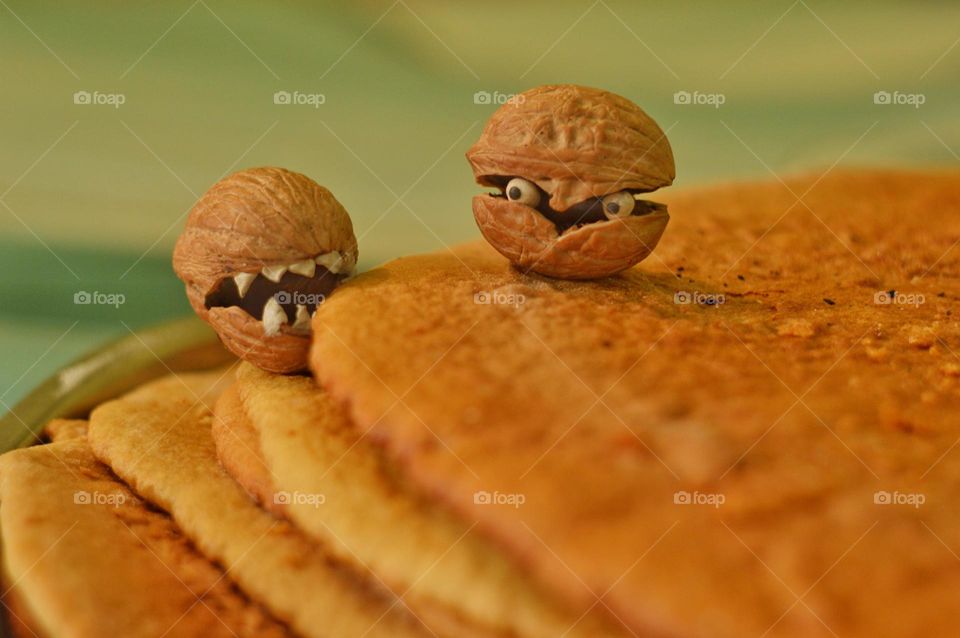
531	241
574	143
258	218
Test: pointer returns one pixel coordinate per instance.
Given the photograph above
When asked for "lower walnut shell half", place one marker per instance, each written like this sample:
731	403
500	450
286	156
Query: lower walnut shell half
243	336
600	249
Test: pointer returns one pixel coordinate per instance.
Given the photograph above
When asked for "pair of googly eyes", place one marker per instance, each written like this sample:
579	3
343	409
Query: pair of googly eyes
616	205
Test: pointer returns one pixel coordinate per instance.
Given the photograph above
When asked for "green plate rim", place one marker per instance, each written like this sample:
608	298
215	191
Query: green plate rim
181	345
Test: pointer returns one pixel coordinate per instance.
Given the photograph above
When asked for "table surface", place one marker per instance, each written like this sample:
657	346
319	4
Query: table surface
387	98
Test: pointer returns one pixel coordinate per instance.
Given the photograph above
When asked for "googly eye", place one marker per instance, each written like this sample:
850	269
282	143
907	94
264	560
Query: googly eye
523	192
618	205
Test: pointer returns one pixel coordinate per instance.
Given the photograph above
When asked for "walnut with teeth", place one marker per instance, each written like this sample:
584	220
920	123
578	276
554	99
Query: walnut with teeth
260	251
569	163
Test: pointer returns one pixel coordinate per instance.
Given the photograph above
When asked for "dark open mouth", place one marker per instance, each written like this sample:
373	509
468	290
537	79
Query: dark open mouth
280	295
589	211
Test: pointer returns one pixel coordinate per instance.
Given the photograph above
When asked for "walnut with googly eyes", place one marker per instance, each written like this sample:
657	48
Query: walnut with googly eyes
570	163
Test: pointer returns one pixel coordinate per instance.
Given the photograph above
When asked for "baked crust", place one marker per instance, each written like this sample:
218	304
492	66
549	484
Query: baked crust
800	399
342	492
86	557
158	440
239	453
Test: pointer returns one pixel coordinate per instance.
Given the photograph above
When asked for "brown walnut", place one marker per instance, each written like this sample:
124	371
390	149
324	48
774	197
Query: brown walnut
260	251
577	146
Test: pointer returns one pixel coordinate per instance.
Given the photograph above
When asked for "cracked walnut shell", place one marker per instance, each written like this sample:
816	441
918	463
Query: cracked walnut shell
260	252
569	162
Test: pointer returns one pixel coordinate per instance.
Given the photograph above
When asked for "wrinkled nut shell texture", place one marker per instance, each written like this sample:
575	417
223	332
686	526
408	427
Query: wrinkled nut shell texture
251	219
575	143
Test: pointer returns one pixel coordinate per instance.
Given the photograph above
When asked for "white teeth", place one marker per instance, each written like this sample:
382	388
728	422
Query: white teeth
243	281
332	261
274	273
307	267
273	317
302	321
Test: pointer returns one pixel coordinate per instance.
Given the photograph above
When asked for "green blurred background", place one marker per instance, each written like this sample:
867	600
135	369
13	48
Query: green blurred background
92	196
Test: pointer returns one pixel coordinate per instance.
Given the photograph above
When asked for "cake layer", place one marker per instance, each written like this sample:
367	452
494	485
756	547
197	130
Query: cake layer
158	440
734	438
85	556
335	485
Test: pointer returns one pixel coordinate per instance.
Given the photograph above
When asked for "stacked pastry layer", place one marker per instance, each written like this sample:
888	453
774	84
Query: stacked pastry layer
85	555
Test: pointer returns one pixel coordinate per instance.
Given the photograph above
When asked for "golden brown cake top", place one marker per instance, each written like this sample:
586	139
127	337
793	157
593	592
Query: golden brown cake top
735	437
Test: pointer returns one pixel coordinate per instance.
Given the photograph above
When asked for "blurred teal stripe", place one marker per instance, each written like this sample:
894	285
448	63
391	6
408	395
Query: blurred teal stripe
42	329
41	284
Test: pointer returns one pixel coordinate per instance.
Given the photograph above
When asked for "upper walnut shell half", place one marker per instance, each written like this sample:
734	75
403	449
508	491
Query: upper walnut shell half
577	145
253	237
573	142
